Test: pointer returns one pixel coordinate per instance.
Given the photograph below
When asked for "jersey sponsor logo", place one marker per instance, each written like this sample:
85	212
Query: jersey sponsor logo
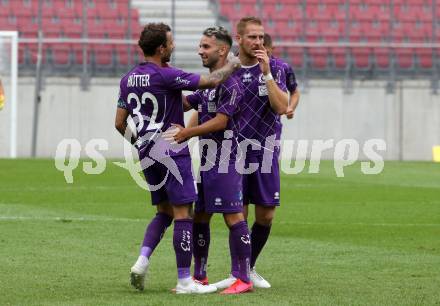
218	201
212	108
247	77
262	90
233	97
179	80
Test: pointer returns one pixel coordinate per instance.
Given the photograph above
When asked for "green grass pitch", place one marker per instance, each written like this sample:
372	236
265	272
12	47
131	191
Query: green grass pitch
357	240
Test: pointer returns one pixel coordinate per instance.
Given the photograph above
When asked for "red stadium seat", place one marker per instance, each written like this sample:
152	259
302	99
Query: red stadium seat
361	57
319	57
404	58
382	57
78	54
424	58
61	54
296	56
339	57
122	54
71	29
103	54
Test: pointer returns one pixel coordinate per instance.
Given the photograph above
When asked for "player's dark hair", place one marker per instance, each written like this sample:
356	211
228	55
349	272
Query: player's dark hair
220	33
267	40
153	36
241	25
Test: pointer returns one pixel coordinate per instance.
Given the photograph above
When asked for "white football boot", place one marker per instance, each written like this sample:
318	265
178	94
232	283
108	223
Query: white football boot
226	283
138	273
258	280
188	286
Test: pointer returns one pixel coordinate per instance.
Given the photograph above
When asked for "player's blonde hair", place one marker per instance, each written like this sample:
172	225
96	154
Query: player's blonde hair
241	25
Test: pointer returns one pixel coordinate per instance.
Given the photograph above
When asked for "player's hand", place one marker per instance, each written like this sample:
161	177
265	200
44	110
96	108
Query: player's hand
169	134
263	59
182	133
289	112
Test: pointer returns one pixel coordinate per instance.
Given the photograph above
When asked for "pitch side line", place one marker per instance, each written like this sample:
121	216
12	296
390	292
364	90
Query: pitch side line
103	219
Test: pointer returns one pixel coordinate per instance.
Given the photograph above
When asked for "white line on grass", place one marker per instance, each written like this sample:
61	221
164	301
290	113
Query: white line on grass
107	219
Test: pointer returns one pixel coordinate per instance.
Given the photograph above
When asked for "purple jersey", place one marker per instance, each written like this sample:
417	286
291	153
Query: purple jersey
258	120
153	97
289	73
290	82
226	99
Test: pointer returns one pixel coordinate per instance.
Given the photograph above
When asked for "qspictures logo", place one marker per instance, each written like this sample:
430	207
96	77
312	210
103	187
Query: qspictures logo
155	149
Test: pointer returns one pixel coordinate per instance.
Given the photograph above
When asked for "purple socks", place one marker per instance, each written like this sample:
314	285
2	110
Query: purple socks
240	244
182	241
154	233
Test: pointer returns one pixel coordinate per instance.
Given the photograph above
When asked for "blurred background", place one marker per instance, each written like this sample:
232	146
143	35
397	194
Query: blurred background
365	69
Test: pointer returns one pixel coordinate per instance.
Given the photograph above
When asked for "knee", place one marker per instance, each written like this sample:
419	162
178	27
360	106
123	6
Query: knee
231	219
265	217
202	217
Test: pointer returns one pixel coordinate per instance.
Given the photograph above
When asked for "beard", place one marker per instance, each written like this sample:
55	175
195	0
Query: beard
166	58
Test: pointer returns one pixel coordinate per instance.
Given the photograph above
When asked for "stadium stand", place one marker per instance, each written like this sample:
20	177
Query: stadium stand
336	22
353	21
106	19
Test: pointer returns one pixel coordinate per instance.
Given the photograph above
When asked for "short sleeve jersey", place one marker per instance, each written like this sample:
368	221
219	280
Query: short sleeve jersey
226	99
153	97
258	120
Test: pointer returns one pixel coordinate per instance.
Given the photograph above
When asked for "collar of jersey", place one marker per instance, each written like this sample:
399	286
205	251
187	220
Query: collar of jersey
247	67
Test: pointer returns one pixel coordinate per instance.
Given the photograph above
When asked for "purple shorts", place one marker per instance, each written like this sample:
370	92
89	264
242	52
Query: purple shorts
262	187
169	188
220	192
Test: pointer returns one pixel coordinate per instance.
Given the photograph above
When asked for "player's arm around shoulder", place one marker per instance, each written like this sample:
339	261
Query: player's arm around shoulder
220	75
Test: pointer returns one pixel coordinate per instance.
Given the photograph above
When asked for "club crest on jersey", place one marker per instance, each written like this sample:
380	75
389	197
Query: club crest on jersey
247	77
261	79
211	95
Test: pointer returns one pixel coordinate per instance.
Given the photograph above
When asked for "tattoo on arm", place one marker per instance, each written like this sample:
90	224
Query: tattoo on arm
220	75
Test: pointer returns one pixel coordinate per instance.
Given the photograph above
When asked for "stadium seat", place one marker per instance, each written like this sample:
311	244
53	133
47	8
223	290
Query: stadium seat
61	54
424	57
71	29
296	56
78	54
103	54
318	57
361	57
382	57
404	58
339	57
